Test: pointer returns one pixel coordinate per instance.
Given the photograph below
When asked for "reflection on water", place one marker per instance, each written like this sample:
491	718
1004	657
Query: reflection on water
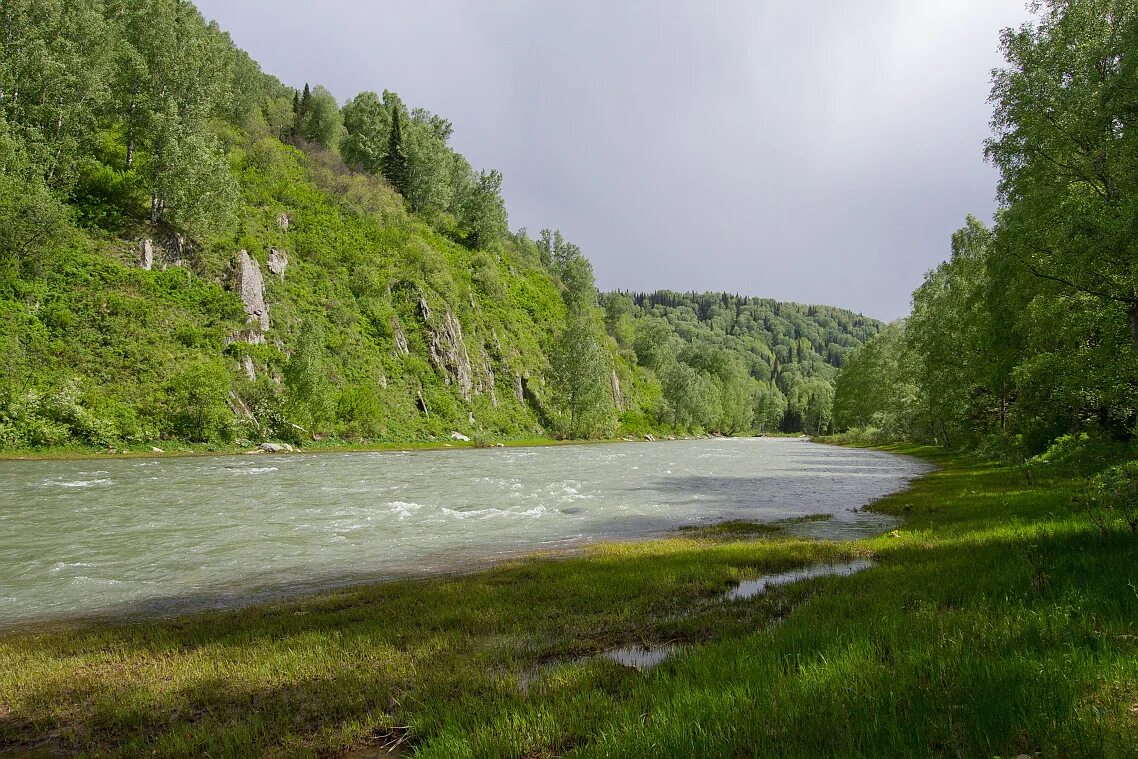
758	586
641	658
168	535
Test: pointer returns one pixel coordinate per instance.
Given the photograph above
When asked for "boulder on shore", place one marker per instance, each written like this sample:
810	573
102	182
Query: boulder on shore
459	436
275	447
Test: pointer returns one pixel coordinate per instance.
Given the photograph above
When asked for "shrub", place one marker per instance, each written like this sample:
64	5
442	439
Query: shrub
1112	497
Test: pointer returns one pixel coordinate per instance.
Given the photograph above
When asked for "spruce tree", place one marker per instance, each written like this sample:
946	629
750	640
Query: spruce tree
395	160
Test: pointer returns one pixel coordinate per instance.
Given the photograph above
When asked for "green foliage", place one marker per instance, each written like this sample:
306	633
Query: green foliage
1113	497
481	210
319	119
581	369
748	355
196	403
306	382
366	123
770	408
383	327
32	219
395	156
1030	330
812	402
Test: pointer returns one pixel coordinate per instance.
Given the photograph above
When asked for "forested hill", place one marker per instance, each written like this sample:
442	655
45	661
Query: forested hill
192	251
791	351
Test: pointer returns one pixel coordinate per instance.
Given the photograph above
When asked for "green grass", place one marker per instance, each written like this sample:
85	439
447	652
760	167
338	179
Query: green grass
997	621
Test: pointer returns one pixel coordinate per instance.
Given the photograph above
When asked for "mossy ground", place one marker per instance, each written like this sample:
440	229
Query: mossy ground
997	621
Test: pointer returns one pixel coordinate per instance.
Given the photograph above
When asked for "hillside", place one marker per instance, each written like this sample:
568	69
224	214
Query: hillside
193	251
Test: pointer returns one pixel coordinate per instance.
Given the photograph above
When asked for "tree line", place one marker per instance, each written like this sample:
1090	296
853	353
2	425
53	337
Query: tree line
1029	332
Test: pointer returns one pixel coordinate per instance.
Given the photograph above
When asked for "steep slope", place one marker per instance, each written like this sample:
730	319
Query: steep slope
191	251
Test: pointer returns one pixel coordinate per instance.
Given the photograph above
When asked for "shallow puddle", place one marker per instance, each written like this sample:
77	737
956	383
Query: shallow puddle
758	586
641	658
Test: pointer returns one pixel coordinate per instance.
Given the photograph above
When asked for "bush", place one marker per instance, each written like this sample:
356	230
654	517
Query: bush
198	399
1112	497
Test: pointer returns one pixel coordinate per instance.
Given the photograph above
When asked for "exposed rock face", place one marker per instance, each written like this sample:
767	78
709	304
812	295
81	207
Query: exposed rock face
283	221
251	336
488	387
617	397
146	254
449	354
250	285
247	365
424	309
400	338
519	389
177	252
278	262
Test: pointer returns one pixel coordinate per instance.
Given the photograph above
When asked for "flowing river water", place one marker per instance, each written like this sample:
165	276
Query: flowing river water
132	537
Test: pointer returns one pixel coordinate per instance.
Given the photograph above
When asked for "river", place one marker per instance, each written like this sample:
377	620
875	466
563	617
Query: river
132	538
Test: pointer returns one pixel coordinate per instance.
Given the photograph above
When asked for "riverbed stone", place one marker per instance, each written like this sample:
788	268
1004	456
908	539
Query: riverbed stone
276	447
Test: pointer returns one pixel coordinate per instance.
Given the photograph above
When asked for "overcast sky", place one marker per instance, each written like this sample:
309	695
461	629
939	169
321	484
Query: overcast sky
820	151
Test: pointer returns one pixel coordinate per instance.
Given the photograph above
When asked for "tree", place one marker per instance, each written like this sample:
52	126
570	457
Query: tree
395	156
1066	133
482	212
366	123
655	342
198	399
581	372
770	407
320	119
307	396
55	71
691	396
582	366
813	401
174	75
429	188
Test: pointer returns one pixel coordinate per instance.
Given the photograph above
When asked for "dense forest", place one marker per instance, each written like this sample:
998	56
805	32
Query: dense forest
192	251
1028	334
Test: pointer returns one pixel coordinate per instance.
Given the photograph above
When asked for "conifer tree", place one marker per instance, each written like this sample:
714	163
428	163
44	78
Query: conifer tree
395	160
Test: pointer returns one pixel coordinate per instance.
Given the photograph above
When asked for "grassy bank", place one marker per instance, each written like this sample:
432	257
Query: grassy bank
997	621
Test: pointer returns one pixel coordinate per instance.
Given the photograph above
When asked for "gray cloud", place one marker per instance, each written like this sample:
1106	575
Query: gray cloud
816	151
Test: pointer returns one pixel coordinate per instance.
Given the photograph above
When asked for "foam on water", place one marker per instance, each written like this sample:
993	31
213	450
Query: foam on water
184	533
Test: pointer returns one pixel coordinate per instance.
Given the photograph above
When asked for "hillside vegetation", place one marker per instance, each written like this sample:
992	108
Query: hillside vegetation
193	252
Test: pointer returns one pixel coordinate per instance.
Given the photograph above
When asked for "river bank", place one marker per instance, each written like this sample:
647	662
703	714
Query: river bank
168	449
996	621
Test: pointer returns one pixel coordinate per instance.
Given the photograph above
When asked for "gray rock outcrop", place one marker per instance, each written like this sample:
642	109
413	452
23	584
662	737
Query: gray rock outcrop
283	221
275	447
278	262
177	253
250	285
146	254
449	354
400	338
459	436
617	396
